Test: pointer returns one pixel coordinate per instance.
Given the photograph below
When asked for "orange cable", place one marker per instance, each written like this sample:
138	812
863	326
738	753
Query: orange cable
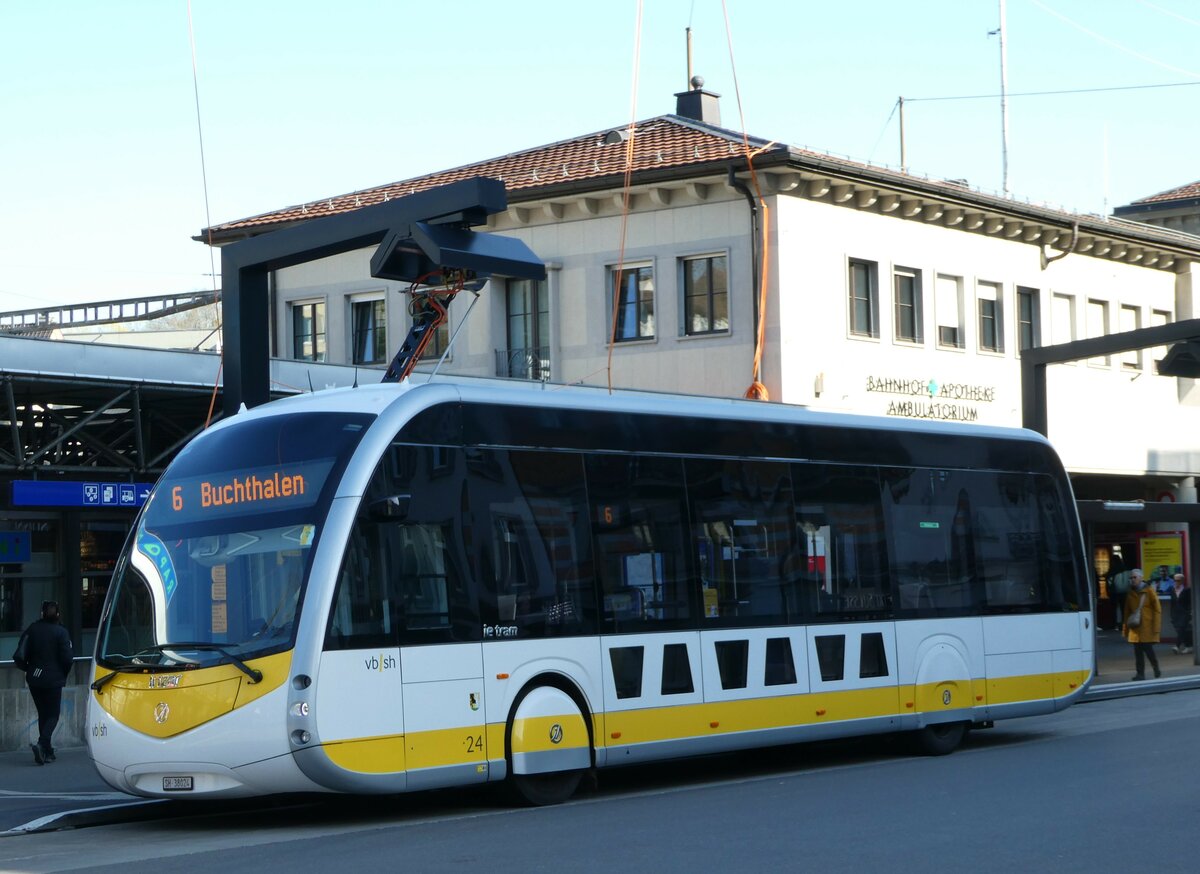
756	391
619	277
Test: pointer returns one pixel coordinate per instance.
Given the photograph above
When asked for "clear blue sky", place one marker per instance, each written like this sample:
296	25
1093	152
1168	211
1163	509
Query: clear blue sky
100	172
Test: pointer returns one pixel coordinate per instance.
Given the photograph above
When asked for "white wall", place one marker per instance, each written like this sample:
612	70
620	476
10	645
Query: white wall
1103	418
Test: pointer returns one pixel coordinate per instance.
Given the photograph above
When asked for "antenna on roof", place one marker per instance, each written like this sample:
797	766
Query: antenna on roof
688	31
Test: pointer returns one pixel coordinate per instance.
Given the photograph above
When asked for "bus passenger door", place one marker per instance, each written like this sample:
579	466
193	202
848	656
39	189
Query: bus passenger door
359	715
358	708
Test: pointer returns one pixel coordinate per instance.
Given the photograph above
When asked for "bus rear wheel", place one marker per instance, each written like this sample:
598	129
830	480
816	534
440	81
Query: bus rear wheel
554	787
940	739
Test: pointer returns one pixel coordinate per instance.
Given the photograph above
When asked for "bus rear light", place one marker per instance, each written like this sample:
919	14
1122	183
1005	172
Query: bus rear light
301	737
300	708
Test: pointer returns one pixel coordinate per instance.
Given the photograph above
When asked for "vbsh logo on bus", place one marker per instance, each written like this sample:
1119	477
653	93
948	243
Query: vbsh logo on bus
382	662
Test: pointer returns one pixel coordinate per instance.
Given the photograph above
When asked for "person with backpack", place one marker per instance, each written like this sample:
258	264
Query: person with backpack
44	653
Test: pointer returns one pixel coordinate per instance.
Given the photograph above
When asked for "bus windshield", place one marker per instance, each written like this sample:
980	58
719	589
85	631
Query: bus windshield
216	568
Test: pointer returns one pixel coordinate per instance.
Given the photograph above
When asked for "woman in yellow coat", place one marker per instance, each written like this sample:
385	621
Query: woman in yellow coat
1141	603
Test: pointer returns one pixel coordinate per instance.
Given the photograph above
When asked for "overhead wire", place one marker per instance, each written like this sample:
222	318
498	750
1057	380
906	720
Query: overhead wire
1047	93
1112	42
631	134
207	213
1169	12
757	390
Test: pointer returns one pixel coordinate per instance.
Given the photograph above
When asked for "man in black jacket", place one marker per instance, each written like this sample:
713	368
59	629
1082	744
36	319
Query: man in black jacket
44	654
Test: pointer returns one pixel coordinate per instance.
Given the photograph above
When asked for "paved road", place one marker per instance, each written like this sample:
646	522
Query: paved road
1058	793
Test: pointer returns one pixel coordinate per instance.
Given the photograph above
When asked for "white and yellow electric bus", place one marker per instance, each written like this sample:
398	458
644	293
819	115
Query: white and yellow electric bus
447	582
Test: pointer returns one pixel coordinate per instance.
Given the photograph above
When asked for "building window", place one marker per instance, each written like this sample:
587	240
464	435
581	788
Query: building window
705	295
990	298
906	285
527	320
1097	326
1029	328
1131	320
864	299
1062	318
308	331
1159	317
633	290
948	304
368	340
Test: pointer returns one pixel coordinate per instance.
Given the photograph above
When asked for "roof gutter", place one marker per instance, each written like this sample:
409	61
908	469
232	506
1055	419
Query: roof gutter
738	185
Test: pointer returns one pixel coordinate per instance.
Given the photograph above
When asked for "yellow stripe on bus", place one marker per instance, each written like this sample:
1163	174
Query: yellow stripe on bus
371	755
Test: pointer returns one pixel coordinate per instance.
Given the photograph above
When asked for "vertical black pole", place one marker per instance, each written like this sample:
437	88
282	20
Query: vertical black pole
1033	397
245	313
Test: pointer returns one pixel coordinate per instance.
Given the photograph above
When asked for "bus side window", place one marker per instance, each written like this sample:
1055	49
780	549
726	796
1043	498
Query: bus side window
404	576
362	615
638	507
533	549
1024	550
935	542
839	568
741	513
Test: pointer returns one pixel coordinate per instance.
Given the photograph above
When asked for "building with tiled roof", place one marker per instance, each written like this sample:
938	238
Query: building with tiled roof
1177	209
886	293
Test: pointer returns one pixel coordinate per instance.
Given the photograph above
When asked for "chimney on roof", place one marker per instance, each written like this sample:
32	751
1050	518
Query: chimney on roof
698	104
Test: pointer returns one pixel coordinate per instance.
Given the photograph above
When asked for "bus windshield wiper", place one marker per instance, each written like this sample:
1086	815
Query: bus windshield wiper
119	669
254	674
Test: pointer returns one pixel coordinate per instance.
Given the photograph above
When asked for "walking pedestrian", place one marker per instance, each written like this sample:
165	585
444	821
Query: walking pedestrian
44	654
1143	623
1181	614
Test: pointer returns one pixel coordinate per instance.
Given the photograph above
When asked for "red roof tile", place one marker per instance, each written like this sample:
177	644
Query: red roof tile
1184	192
666	141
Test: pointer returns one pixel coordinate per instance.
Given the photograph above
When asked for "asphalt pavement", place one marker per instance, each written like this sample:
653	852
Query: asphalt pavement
39	797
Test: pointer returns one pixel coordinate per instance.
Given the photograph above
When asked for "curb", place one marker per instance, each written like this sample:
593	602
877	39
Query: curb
85	817
1134	688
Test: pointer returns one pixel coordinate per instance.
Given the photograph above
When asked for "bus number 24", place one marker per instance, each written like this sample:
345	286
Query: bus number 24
474	744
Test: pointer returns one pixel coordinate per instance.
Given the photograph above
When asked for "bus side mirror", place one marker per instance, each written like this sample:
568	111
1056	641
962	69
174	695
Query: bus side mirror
391	508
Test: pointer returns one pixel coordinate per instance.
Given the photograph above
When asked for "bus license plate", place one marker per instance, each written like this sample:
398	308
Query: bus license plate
177	784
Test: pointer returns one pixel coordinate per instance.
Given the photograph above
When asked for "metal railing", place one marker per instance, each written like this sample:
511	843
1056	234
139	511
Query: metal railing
532	363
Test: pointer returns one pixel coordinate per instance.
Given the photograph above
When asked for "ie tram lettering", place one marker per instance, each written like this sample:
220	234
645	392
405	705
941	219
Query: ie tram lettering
689	576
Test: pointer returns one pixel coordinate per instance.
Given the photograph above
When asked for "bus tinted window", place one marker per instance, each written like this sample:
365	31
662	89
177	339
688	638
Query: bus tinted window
931	519
533	544
840	564
742	529
638	508
404	577
979	542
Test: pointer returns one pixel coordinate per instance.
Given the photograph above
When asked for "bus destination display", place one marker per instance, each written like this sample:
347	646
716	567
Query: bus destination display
240	492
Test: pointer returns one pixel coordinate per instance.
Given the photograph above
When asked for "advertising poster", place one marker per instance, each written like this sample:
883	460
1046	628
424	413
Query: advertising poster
1162	558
